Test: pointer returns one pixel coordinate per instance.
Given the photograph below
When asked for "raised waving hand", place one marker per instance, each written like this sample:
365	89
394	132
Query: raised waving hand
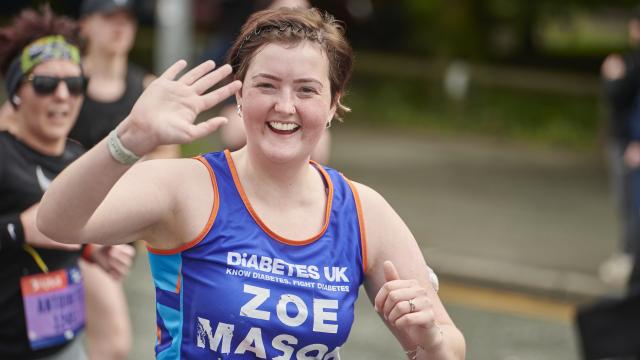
166	111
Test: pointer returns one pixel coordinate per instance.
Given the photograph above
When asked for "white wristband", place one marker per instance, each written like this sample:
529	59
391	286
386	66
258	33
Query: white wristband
118	152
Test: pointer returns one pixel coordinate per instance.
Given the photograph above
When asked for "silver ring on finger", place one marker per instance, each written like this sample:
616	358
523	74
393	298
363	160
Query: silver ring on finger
412	306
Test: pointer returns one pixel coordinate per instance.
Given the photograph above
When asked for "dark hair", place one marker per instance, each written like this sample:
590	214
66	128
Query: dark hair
31	25
292	26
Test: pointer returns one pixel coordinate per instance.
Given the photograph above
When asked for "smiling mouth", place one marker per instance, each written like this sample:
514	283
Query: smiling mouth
53	113
282	127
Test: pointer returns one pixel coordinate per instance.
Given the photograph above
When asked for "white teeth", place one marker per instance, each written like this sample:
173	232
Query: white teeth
283	126
57	113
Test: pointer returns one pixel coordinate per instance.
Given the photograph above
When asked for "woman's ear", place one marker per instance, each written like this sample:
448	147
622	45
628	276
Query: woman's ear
16	101
239	97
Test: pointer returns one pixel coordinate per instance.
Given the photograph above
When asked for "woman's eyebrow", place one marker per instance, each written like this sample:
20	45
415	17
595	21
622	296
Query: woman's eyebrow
306	80
264	75
273	77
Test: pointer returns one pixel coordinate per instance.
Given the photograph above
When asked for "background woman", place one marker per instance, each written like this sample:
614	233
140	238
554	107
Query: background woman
42	290
257	253
108	29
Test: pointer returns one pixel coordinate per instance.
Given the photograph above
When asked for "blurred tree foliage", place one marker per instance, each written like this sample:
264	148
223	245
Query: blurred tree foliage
471	29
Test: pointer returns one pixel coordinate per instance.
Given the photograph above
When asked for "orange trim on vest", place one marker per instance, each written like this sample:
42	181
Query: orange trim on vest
179	282
207	227
262	225
363	235
158	334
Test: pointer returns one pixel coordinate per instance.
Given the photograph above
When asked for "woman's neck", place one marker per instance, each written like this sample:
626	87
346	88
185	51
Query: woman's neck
280	181
105	66
107	77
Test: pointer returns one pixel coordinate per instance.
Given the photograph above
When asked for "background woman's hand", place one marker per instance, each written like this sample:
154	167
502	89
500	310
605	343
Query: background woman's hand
115	260
404	304
166	111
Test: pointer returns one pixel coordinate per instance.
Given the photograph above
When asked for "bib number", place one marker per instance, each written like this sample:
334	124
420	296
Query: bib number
53	306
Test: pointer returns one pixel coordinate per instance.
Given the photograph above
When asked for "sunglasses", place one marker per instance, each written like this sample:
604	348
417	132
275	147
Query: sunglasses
47	85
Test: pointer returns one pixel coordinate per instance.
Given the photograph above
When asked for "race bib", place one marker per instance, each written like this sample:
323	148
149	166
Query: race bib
53	306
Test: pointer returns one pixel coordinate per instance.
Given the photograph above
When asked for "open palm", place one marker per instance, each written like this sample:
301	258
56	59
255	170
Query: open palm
166	111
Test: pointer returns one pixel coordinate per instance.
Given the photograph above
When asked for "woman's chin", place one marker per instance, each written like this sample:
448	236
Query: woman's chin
282	154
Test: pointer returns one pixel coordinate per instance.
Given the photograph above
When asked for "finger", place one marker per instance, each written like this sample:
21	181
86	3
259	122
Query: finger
390	275
397	298
125	250
205	82
215	97
390	272
121	261
174	70
123	256
424	319
197	72
403	307
205	128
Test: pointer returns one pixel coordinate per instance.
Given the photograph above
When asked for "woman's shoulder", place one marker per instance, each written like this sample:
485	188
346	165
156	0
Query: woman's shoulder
370	198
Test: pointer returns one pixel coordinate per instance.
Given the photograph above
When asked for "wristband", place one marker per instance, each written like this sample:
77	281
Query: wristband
11	231
118	151
87	250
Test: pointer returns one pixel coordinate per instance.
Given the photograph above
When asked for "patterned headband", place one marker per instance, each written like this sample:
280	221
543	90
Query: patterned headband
53	47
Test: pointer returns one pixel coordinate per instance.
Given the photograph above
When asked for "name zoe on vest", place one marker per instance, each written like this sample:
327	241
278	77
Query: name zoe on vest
324	321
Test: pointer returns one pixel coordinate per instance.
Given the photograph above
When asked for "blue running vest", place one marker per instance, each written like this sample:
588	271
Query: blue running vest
240	291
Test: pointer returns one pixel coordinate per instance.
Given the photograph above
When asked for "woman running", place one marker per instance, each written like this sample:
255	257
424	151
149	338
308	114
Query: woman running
257	253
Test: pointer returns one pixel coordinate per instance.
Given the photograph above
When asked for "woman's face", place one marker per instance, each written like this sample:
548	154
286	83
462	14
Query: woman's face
286	100
112	33
49	117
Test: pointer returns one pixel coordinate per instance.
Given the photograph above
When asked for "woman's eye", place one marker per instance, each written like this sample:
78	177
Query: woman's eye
308	90
265	85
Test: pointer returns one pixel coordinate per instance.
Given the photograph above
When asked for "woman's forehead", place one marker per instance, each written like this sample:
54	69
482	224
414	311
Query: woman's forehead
57	67
304	58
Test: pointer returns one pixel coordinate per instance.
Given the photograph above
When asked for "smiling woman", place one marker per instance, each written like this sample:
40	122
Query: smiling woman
257	253
286	100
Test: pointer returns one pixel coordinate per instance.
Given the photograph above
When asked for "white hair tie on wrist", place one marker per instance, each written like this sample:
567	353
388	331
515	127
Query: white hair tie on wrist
118	151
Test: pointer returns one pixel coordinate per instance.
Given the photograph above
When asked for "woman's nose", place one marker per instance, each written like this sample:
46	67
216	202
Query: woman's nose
62	91
285	105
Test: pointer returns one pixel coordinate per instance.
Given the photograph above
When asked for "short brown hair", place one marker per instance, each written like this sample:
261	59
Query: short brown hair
292	26
31	25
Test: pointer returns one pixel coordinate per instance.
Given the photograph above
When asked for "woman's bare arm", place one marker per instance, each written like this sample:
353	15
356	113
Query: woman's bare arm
97	199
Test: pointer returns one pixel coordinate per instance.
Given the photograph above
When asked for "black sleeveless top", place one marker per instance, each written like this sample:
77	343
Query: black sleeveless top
24	176
97	119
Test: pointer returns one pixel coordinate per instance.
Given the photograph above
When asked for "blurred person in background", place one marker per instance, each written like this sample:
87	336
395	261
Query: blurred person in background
108	28
609	327
234	14
307	235
621	81
42	296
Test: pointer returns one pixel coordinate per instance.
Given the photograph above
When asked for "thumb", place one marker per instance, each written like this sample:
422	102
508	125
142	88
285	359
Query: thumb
390	272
